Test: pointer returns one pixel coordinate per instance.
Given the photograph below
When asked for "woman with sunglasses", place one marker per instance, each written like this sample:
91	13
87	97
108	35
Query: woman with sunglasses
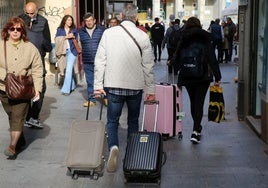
66	52
22	58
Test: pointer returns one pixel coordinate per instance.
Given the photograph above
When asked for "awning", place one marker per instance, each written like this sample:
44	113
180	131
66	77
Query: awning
232	9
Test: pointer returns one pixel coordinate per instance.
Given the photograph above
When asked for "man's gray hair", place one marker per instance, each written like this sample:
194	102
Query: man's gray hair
129	12
87	15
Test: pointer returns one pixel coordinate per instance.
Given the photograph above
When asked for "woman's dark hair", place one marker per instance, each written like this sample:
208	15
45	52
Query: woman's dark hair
64	19
193	22
12	22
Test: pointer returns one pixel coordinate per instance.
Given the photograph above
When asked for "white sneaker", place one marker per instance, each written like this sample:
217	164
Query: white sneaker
35	123
112	161
26	124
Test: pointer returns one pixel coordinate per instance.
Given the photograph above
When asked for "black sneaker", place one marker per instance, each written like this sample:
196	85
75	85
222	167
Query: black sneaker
195	138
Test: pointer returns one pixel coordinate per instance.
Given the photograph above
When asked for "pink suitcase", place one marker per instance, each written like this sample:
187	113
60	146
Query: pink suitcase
169	121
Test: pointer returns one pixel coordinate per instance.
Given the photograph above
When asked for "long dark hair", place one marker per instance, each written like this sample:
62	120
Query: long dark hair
193	22
63	21
10	23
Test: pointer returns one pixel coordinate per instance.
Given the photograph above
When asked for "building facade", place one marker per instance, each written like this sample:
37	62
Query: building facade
252	72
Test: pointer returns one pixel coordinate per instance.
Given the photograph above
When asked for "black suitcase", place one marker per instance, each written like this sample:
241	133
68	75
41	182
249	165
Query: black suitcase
144	155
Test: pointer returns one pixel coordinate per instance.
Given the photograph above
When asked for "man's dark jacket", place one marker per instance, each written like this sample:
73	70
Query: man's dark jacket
39	34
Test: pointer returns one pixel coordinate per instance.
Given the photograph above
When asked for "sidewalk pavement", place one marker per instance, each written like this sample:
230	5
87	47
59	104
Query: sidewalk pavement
230	153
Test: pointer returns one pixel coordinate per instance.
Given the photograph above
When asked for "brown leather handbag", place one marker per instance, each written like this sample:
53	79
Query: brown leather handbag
18	87
77	47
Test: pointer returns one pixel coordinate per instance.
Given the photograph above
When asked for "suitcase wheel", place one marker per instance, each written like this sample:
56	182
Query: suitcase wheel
165	136
75	176
180	135
95	176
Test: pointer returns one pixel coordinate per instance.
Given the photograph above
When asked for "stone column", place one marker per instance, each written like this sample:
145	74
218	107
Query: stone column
178	9
156	8
201	10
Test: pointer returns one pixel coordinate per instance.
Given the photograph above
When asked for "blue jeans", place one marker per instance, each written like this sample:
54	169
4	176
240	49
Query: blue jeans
69	83
89	73
114	110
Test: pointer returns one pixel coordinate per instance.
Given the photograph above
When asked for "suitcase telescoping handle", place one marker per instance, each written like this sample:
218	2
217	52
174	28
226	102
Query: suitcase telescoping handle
156	113
102	98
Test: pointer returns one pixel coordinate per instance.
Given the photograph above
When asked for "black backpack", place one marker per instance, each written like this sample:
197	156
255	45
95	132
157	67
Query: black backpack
174	37
192	61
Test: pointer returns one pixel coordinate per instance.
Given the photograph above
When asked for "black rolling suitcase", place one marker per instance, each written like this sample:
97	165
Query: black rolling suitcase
144	155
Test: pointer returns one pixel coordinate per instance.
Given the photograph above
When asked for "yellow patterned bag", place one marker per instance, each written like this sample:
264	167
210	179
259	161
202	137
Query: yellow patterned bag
216	104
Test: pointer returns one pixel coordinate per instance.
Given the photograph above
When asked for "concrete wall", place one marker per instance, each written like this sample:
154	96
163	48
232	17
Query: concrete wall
8	9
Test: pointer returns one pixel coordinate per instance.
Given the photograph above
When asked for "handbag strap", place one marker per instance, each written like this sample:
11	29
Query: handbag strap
5	54
132	38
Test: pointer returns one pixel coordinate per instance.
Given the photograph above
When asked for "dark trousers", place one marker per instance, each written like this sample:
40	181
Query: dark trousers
157	45
225	54
170	56
217	44
197	94
35	107
230	50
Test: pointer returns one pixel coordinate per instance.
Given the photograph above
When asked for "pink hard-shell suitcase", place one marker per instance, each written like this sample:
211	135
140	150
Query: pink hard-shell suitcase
169	121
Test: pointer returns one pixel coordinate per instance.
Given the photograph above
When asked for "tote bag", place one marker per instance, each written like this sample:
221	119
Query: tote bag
216	104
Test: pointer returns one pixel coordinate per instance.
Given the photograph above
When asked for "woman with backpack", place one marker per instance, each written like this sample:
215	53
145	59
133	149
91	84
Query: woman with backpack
197	64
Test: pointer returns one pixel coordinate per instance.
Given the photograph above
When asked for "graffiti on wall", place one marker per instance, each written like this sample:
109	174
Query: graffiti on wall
53	14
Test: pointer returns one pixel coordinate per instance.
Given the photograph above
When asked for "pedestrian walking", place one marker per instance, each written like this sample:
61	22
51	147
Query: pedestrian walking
217	37
89	36
231	33
65	35
124	69
195	45
19	56
170	41
225	45
39	34
113	22
157	33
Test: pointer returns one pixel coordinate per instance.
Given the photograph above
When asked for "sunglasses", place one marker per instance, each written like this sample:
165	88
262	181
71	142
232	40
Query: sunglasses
17	29
29	13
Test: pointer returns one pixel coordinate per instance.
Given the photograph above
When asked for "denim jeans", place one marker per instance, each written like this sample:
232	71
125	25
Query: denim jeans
114	110
69	83
89	73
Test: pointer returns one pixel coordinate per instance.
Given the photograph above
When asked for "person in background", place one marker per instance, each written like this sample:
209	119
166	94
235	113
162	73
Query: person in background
231	33
89	37
217	37
147	27
157	33
225	45
140	26
197	87
120	67
171	48
39	34
66	32
22	58
113	22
